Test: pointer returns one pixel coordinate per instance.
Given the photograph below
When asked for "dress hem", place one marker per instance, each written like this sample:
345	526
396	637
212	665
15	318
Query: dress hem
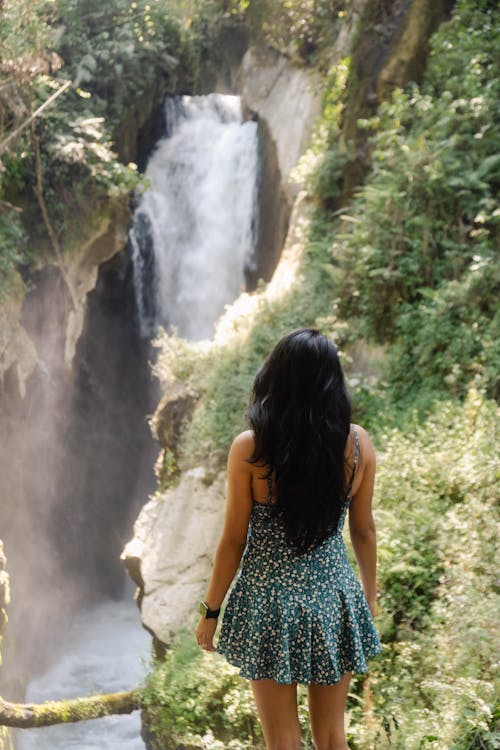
354	670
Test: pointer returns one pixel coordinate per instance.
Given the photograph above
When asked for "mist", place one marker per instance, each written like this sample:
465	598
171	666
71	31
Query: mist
76	458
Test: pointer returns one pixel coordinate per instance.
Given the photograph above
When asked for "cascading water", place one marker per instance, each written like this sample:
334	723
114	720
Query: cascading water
192	241
194	231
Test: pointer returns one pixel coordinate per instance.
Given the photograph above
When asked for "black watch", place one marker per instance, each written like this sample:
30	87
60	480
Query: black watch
208	613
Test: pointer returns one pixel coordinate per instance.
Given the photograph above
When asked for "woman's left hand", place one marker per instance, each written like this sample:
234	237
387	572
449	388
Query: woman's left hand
205	633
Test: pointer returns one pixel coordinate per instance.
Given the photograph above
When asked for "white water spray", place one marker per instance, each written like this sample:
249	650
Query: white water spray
194	231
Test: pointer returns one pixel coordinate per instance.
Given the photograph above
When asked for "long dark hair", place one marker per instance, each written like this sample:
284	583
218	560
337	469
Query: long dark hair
300	415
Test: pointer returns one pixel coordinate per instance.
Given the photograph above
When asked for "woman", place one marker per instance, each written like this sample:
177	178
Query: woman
297	613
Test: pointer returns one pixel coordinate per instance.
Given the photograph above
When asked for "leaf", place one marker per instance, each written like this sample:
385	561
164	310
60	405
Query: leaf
489	165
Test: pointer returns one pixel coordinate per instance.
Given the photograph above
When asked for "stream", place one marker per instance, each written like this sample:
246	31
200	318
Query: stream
105	650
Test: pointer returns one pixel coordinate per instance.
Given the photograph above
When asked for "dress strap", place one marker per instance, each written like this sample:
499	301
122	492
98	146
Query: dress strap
269	488
356	460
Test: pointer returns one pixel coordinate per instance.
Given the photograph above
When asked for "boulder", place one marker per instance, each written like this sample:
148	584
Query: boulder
171	554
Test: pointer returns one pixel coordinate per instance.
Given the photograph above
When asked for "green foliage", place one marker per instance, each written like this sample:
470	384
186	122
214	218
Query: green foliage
80	167
166	470
416	260
121	56
13	250
198	700
303	29
321	165
24	56
327	180
308	27
436	677
117	50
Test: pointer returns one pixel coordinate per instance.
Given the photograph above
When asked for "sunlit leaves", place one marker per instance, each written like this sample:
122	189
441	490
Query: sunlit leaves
301	27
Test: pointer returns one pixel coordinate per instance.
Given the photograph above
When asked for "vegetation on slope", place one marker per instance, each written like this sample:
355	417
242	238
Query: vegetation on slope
412	267
412	264
118	57
416	258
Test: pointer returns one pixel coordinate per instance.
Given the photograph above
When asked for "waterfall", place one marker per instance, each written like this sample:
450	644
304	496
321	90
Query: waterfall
192	242
194	229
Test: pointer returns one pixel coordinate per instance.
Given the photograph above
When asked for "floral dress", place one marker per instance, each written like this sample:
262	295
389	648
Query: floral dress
296	618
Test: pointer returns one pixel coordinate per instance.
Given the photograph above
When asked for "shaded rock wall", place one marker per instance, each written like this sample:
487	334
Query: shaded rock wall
391	49
274	211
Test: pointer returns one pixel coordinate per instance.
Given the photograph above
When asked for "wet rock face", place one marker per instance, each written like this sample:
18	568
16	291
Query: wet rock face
287	97
274	211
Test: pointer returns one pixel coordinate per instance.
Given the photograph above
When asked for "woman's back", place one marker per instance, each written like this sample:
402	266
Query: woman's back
259	481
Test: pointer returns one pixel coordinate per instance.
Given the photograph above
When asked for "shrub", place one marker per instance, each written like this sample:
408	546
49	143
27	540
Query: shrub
416	260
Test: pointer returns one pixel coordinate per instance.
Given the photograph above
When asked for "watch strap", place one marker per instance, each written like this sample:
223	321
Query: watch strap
208	613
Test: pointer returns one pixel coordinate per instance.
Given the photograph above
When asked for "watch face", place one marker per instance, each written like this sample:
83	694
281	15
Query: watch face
202	609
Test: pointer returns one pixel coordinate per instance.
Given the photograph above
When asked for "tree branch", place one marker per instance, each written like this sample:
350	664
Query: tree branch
38	190
30	715
35	114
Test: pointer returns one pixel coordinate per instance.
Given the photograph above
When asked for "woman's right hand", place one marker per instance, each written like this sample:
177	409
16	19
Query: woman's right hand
204	633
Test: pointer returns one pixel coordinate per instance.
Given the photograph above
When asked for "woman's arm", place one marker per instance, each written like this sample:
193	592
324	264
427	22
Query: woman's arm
234	533
361	523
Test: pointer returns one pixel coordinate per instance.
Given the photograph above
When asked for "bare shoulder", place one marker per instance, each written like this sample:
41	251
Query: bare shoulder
242	446
366	449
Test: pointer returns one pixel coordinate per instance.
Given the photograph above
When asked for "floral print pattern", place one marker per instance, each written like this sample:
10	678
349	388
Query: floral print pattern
296	618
